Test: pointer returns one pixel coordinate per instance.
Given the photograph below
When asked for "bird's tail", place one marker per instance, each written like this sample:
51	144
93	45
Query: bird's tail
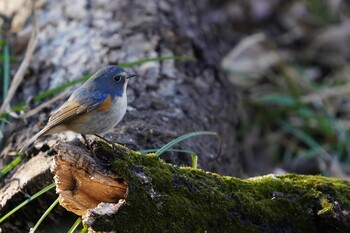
34	138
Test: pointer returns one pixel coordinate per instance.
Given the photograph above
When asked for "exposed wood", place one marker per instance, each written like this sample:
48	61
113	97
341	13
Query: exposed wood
80	183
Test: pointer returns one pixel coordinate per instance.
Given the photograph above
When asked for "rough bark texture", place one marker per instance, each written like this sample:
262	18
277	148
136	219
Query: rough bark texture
169	98
161	197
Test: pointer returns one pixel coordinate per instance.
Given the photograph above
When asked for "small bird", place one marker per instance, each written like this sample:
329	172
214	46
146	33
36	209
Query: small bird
94	108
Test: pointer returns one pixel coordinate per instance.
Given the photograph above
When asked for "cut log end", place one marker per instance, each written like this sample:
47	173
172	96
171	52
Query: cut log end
82	185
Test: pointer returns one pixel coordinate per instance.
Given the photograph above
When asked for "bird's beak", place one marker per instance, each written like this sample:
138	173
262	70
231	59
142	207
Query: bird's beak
131	76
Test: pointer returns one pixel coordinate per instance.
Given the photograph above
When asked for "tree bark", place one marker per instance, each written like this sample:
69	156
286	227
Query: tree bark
142	193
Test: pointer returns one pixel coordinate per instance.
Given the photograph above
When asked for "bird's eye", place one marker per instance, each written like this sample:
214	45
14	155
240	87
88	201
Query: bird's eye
118	78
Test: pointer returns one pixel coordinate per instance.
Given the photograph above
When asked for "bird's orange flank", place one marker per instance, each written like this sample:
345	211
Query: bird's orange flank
105	105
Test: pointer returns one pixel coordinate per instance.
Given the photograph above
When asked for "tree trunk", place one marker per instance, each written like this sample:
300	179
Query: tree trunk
168	99
141	193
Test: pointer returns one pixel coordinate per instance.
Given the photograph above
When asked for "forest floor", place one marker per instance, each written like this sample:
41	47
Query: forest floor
291	67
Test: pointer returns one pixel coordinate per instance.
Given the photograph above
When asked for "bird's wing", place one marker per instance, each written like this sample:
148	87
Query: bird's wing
75	107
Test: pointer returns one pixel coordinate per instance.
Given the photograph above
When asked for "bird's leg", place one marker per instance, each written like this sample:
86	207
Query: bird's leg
104	139
87	142
89	146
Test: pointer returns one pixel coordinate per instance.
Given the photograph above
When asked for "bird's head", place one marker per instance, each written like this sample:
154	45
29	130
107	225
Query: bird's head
111	79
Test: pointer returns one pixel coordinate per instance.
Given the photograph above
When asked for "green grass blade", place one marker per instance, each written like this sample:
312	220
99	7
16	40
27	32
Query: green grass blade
277	99
10	166
145	151
75	225
85	229
60	88
184	137
32	230
44	190
6	80
194	158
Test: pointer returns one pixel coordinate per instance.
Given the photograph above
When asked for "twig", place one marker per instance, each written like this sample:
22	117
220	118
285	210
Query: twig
18	78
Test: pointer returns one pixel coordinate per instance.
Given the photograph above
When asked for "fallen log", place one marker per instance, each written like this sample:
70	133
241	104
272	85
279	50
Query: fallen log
133	192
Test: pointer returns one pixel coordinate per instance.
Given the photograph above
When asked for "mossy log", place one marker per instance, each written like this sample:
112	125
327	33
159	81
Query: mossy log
134	192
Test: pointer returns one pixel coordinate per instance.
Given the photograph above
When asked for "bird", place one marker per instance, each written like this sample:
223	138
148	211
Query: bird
95	107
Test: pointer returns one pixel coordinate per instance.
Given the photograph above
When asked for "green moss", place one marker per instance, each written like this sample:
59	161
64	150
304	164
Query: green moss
182	199
327	208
